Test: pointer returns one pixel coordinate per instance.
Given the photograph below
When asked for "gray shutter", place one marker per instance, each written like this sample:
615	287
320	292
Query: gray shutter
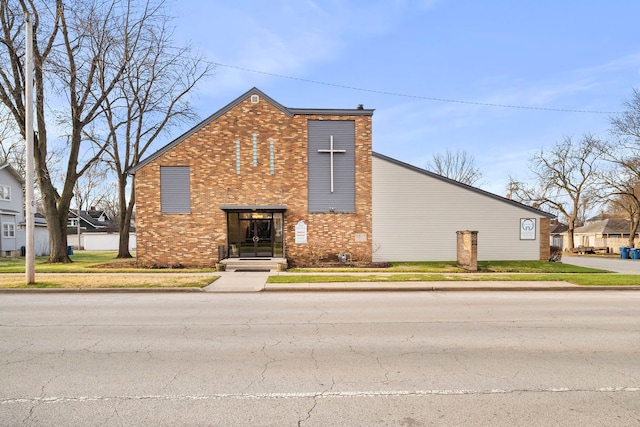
343	198
175	194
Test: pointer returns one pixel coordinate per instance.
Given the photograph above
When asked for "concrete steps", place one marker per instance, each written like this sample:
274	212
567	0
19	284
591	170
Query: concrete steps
253	264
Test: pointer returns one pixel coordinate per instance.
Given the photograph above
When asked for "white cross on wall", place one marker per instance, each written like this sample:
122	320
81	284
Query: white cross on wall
331	151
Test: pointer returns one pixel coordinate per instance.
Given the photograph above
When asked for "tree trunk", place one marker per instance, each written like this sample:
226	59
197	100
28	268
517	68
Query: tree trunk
56	208
570	243
57	227
123	247
633	229
124	217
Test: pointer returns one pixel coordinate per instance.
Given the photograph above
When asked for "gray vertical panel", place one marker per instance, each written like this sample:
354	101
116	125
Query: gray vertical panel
175	194
343	198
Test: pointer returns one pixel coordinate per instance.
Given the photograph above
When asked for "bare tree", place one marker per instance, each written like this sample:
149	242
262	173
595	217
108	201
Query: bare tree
563	179
11	144
624	197
73	42
623	179
151	97
91	187
625	127
459	166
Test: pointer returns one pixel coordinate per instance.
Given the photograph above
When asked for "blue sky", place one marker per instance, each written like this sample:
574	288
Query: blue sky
405	55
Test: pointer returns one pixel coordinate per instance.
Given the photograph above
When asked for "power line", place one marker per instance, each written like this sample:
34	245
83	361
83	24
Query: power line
428	98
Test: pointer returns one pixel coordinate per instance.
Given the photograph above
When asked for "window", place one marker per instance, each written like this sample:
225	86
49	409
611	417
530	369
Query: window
8	230
5	192
175	194
73	222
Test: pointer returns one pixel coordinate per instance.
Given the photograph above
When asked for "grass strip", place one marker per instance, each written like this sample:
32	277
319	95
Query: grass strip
588	279
451	267
99	281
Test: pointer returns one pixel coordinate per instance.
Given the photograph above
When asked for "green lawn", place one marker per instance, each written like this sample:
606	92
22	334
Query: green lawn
87	262
101	266
451	267
584	279
98	270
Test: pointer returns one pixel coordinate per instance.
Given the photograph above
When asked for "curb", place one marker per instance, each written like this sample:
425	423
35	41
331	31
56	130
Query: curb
452	289
575	288
95	290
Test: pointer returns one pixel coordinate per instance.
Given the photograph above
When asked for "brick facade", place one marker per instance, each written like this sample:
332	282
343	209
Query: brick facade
545	244
209	150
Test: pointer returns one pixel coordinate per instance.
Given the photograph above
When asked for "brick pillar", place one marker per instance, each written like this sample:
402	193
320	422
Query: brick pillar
467	249
545	237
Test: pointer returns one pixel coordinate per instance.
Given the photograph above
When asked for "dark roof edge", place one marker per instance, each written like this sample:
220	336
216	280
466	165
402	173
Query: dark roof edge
462	185
332	111
275	208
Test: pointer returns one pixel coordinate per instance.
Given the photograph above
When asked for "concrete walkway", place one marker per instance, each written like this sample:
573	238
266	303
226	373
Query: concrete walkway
237	281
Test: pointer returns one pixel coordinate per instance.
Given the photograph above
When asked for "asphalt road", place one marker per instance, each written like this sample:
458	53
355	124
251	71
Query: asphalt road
321	359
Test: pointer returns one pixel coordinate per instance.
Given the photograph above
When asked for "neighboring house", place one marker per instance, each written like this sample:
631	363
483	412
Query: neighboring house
260	180
13	238
12	219
41	235
611	233
94	230
557	233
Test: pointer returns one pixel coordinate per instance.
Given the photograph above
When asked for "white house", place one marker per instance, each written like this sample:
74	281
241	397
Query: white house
12	218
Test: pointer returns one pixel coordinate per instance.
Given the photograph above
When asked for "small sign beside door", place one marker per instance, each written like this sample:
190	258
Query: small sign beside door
301	232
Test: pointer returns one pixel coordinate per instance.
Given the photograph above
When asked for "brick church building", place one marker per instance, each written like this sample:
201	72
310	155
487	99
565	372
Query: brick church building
260	180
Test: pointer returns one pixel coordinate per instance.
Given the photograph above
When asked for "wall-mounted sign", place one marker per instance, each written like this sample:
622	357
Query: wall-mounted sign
527	229
361	237
301	232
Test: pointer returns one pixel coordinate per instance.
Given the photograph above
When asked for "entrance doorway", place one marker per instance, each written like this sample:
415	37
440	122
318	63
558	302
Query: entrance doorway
258	241
255	234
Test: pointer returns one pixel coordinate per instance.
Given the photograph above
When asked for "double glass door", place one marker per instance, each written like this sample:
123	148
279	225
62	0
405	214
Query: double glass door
255	234
258	241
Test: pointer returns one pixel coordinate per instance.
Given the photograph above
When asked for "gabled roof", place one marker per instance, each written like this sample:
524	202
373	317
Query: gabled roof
462	185
13	172
605	226
253	91
91	217
559	228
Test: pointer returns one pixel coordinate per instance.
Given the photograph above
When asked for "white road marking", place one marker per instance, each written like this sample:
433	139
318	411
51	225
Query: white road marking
316	395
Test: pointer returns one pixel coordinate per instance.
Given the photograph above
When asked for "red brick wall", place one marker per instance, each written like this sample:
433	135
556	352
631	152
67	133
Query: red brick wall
210	152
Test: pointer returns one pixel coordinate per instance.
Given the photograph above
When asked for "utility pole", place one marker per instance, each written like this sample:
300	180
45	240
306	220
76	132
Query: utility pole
30	202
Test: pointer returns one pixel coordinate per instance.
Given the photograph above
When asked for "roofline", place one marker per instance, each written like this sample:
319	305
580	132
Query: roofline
290	112
13	172
462	185
331	111
253	208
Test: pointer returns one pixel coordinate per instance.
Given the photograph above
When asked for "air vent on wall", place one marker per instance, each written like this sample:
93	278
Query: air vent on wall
255	99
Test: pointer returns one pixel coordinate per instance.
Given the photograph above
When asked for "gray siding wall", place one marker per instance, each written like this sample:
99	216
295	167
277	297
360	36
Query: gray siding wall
416	216
175	193
14	212
8	243
321	199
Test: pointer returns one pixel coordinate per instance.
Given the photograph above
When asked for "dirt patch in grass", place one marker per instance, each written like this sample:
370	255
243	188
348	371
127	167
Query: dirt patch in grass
117	264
